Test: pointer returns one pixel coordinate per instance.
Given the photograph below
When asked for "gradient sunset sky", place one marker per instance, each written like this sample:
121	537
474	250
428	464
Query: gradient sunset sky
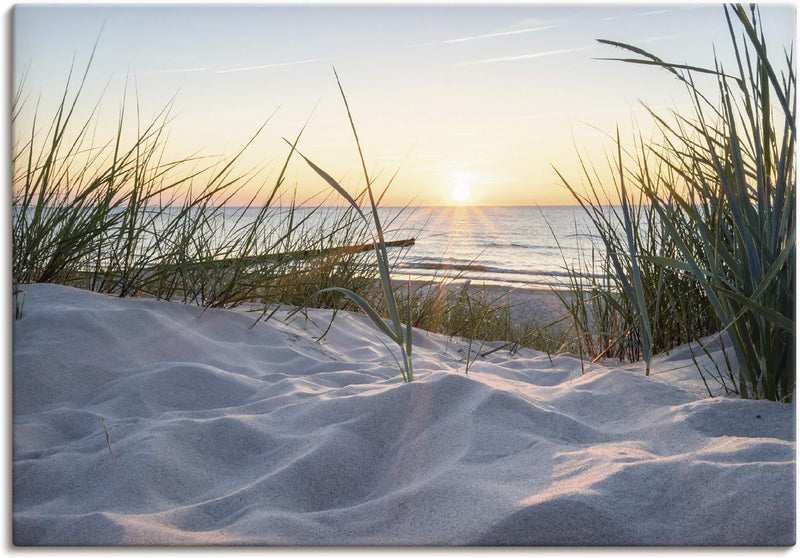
480	97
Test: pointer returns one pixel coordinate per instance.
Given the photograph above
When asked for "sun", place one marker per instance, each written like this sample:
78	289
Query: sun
460	193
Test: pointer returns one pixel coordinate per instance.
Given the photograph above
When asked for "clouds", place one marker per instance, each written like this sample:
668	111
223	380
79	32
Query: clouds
540	54
637	14
181	70
522	27
229	70
272	65
499	34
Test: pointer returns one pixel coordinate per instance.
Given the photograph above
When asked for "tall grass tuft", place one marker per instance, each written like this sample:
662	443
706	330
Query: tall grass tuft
400	335
115	216
67	196
716	214
619	296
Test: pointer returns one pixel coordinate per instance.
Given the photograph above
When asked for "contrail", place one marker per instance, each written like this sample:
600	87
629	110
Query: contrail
274	65
523	56
499	34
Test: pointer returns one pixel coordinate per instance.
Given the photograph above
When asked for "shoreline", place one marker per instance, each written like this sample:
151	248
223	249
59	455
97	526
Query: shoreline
528	303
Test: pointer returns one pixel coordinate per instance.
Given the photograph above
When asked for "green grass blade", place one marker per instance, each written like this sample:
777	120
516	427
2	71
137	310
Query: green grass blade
368	310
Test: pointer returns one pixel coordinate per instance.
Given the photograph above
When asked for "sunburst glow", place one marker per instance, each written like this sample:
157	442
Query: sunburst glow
460	193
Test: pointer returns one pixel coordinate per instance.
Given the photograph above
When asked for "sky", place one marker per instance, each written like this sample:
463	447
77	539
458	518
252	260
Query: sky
474	104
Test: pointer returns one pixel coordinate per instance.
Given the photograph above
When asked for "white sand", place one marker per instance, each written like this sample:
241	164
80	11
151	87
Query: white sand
228	435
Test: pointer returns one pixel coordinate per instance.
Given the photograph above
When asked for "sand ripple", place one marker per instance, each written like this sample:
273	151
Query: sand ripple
223	434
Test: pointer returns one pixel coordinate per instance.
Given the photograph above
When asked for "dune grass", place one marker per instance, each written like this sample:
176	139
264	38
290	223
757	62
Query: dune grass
702	235
400	335
624	303
115	216
696	241
108	437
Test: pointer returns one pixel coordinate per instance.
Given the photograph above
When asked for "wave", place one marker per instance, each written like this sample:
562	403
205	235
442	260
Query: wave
490	270
443	266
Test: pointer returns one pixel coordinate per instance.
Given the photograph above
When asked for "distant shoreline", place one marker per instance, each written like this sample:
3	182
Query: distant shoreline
340	205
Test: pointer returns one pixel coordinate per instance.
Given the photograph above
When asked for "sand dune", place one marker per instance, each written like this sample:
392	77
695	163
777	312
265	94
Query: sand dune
222	434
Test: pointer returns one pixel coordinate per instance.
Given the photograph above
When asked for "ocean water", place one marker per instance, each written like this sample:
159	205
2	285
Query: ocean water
511	246
519	246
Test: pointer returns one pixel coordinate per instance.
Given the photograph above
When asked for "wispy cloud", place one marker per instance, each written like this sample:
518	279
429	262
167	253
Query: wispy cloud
273	65
653	12
499	34
180	70
496	34
240	69
541	54
640	14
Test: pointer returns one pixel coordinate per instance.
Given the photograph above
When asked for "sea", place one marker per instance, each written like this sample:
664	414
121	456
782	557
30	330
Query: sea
507	246
513	246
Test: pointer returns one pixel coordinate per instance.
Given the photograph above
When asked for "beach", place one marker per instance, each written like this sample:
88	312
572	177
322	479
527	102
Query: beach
144	422
526	304
528	315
